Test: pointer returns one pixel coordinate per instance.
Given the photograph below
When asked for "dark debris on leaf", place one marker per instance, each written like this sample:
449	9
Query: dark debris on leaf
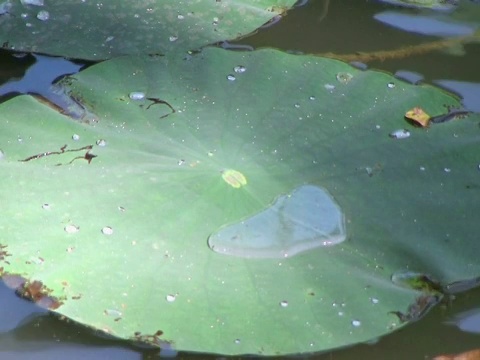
3	254
32	290
87	156
38	293
154	341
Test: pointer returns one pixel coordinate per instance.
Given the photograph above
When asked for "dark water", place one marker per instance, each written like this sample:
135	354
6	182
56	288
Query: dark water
321	26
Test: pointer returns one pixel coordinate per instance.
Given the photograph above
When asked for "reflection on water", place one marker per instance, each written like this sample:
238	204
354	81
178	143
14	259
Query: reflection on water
28	332
469	91
39	75
468	321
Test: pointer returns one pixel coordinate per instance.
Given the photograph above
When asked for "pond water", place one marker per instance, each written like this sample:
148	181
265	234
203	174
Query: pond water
320	26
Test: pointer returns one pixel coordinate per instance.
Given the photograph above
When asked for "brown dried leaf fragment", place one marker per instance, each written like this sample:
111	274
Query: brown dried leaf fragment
418	116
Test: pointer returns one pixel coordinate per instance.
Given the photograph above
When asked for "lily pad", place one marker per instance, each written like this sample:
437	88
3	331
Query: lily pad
100	30
108	217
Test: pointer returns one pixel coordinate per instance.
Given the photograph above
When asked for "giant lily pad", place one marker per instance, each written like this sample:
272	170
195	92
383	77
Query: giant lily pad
110	218
100	30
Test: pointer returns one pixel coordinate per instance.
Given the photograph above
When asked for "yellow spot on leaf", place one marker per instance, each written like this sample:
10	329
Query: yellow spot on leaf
418	116
234	178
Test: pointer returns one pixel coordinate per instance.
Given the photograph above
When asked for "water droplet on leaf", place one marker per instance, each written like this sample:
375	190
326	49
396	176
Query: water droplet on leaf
107	230
170	297
240	69
43	15
71	228
112	312
231	77
356	323
399	134
136	95
37	260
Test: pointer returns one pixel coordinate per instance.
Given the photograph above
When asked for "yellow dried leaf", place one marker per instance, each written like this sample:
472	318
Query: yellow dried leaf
418	116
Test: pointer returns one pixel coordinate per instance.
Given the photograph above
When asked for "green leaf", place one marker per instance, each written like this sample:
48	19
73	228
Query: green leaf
123	241
95	31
